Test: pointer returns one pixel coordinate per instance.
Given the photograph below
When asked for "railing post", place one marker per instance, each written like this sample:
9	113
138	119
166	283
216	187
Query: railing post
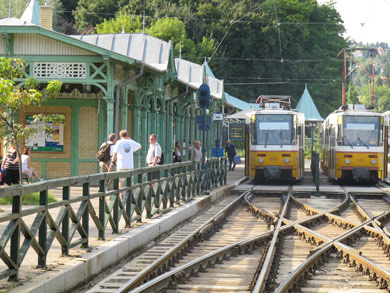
317	156
129	199
15	238
65	221
116	206
102	213
225	171
43	230
86	214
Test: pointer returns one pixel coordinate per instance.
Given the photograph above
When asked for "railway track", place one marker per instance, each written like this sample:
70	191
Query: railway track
273	243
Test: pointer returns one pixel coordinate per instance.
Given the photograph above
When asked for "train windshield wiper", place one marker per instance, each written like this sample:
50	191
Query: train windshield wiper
266	138
357	134
350	144
281	138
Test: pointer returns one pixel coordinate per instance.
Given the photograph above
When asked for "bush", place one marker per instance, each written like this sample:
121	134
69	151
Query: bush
28	199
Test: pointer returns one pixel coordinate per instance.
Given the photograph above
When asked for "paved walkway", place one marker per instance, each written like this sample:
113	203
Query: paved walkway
31	276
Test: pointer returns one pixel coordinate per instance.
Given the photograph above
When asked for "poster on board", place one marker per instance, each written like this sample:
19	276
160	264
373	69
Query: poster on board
42	141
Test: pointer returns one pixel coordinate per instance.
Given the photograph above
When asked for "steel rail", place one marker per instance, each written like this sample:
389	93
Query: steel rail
261	280
266	215
378	231
146	274
308	263
200	264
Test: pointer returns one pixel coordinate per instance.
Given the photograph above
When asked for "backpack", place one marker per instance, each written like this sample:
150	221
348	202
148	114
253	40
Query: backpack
103	154
161	159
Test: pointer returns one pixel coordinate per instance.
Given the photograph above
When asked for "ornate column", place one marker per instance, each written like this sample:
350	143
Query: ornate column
110	115
144	136
123	108
136	130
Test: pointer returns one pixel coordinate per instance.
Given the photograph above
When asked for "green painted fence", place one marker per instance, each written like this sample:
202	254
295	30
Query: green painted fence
139	197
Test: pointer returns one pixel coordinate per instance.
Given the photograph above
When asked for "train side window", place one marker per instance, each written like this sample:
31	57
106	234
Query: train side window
340	134
252	131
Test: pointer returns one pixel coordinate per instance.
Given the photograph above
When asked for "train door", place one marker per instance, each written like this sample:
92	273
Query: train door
385	150
332	145
301	143
247	150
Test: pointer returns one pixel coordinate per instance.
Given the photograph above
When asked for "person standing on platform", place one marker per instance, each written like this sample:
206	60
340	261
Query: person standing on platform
107	146
231	152
197	151
11	166
123	154
177	153
184	150
154	154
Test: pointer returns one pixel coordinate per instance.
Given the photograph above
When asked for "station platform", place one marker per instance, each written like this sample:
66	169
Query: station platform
63	274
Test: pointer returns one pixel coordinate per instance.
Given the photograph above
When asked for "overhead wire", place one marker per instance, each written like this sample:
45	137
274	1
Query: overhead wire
280	41
228	29
213	19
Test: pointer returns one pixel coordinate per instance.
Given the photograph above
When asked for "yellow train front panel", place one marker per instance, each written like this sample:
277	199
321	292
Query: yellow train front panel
347	161
285	160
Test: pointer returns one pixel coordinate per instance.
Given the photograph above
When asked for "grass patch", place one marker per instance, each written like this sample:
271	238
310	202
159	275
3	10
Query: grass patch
28	199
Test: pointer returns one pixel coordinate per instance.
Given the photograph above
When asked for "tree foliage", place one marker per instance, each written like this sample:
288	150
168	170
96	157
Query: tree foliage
257	47
122	22
14	97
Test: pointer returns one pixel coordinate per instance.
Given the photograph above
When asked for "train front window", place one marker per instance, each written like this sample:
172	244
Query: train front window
274	129
361	131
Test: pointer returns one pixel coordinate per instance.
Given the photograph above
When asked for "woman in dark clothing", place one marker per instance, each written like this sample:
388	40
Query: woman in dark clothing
11	167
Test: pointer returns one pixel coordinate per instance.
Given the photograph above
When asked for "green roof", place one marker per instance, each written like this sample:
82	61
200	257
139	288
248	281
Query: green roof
307	106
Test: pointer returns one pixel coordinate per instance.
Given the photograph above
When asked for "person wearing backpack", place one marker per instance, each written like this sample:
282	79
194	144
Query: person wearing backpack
105	153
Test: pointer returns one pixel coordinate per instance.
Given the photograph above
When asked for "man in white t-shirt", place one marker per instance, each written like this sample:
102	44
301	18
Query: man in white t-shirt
123	152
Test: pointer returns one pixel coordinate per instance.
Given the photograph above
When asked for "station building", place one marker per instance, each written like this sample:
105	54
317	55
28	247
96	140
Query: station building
110	82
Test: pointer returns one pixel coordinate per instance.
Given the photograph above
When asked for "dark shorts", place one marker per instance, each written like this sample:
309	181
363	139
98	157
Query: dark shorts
11	176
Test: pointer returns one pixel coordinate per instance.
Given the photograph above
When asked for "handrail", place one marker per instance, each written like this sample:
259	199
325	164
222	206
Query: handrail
179	182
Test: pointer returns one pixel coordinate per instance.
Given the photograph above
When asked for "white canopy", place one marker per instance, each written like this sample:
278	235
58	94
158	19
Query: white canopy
242	114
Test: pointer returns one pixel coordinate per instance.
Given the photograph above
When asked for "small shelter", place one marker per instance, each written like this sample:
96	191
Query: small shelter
312	116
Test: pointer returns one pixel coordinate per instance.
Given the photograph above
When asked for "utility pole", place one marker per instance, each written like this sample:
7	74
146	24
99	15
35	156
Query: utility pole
10	8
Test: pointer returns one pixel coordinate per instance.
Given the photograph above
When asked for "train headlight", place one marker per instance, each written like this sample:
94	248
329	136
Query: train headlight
286	160
373	161
261	160
347	161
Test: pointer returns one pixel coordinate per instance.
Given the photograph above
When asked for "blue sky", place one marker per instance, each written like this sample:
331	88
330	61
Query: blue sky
367	21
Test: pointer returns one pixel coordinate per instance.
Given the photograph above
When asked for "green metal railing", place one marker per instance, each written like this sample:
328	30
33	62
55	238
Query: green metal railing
139	197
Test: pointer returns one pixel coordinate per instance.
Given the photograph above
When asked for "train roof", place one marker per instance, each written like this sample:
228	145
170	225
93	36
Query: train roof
333	116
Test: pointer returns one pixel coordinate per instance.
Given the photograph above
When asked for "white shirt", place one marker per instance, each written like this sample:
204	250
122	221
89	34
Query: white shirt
154	151
24	162
197	154
124	148
184	149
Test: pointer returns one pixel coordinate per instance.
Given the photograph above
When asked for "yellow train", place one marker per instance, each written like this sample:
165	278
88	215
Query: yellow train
274	140
354	145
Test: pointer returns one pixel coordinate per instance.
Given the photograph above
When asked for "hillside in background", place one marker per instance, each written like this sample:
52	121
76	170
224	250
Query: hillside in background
256	47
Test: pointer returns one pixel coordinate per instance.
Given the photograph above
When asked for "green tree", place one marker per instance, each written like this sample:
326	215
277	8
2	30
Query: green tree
168	29
91	12
122	22
14	97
